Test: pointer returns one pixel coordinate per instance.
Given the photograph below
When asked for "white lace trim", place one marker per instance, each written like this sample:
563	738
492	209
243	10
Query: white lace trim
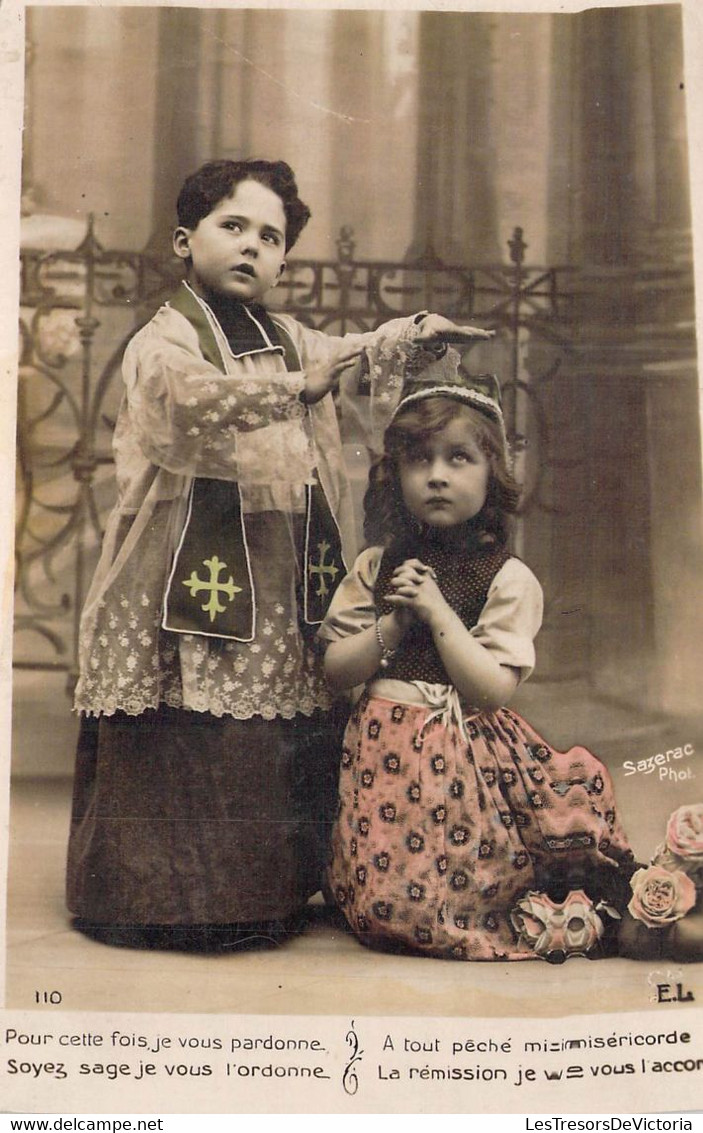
129	664
269	711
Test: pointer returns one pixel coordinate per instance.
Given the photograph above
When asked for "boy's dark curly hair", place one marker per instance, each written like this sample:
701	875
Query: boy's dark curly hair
216	180
386	518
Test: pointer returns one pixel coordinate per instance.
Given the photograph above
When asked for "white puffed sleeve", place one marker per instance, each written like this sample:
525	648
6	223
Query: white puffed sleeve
511	617
352	608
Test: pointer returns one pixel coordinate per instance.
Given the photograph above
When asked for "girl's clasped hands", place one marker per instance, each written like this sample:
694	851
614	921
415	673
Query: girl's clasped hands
415	593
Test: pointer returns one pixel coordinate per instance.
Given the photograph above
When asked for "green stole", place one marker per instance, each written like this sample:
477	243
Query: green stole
210	589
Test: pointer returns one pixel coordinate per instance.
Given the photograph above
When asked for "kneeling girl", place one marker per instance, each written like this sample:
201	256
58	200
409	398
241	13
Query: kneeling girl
452	808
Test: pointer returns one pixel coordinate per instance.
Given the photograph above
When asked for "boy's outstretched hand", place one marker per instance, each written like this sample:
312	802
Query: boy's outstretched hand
436	329
324	379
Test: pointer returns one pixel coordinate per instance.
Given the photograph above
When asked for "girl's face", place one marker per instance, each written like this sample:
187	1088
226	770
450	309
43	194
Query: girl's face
444	480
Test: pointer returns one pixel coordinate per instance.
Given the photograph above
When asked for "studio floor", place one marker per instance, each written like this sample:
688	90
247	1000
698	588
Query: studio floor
324	970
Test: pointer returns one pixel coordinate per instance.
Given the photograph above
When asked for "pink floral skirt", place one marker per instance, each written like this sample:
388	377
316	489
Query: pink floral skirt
439	835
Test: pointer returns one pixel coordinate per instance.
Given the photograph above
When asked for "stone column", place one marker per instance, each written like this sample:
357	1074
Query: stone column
372	88
634	372
90	113
175	137
455	215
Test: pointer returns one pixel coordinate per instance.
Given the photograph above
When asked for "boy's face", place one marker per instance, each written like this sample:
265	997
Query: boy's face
238	249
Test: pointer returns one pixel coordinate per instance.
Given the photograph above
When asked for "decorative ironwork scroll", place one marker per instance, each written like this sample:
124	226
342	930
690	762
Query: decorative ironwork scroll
79	309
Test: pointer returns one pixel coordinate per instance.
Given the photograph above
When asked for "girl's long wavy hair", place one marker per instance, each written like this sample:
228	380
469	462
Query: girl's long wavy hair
387	519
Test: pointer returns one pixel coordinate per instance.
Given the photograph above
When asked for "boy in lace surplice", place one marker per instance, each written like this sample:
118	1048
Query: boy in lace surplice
206	749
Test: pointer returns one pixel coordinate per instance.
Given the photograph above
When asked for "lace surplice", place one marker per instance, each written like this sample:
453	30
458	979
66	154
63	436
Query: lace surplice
181	417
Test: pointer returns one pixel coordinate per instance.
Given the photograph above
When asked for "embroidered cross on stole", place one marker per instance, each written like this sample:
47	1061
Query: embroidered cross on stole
210	589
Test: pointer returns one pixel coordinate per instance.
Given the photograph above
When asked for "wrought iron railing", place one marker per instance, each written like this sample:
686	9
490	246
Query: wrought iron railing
78	310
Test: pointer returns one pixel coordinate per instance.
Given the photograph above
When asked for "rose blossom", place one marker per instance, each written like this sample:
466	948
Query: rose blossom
684	833
683	847
660	896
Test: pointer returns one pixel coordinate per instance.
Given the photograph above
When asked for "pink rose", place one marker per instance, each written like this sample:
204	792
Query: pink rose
555	931
684	833
660	896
